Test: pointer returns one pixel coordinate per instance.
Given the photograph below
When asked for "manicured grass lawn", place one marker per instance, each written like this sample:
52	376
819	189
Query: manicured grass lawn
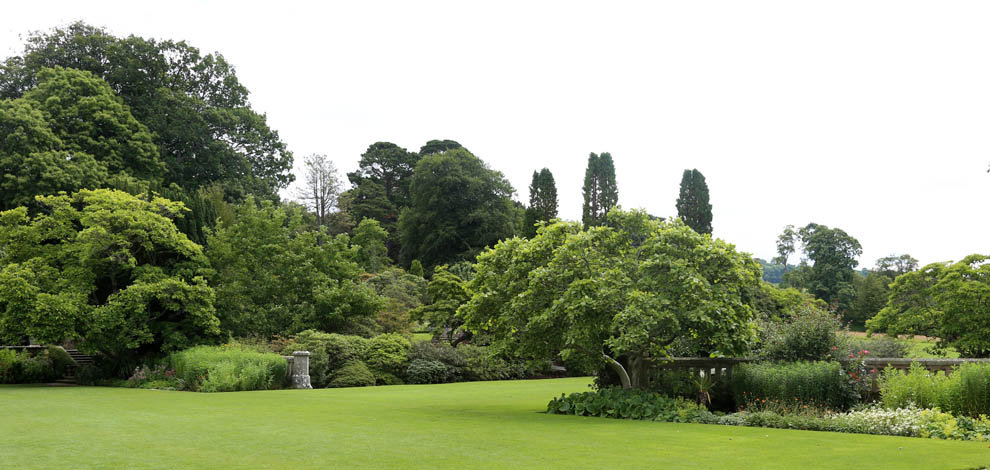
497	425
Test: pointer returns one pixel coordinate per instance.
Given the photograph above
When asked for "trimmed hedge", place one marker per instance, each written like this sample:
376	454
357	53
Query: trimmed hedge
228	369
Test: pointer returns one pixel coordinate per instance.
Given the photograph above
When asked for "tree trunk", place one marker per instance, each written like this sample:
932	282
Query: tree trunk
621	371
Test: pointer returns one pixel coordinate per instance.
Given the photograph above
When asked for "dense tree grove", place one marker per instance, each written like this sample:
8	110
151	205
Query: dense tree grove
600	191
194	106
832	253
692	203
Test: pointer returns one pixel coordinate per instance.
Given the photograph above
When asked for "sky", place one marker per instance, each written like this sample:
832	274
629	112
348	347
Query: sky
870	116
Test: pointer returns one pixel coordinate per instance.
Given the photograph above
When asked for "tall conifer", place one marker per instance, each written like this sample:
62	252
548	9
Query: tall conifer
692	204
601	193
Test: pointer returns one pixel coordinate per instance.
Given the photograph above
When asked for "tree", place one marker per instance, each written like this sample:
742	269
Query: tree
403	292
542	201
459	206
947	300
447	292
692	204
871	297
785	246
32	161
600	191
833	254
439	146
619	295
194	105
106	268
321	187
381	188
273	278
369	238
895	265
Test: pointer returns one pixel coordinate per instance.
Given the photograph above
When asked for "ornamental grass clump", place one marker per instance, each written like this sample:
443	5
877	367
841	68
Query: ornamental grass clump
964	392
228	369
819	384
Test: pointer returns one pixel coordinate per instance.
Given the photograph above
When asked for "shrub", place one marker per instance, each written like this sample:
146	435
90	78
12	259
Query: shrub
481	364
965	392
328	352
387	356
817	384
61	361
353	374
451	358
422	371
882	346
228	369
626	403
21	367
810	334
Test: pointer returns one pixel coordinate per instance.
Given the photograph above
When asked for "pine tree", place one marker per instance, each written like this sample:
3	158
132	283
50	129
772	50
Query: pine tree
542	201
600	191
692	205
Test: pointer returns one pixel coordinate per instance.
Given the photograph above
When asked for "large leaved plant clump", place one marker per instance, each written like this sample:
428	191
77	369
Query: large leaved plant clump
620	295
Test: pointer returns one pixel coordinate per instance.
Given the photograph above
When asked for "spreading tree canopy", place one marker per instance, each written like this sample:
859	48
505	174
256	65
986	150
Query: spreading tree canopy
196	108
381	188
459	206
600	191
692	203
107	268
619	295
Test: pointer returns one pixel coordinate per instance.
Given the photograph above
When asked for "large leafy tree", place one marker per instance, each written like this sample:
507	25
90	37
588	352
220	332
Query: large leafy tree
600	191
273	277
948	300
106	268
381	188
71	132
542	201
833	254
619	295
194	105
439	146
785	246
459	206
693	206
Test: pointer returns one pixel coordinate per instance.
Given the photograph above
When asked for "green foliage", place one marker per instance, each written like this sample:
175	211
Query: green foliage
416	268
458	207
945	300
22	367
439	146
369	237
692	203
816	384
625	404
808	334
601	194
781	303
108	267
965	392
628	290
194	106
871	297
387	355
878	346
833	253
426	372
446	292
403	293
542	201
228	369
61	361
353	374
274	277
329	352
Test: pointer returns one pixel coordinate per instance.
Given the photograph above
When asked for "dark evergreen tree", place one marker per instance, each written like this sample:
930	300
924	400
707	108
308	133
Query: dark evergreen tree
692	204
542	201
600	191
439	146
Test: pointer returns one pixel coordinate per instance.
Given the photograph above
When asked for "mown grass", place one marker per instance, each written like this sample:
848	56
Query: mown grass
478	425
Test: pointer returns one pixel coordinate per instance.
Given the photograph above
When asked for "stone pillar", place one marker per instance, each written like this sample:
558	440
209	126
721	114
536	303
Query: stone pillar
300	369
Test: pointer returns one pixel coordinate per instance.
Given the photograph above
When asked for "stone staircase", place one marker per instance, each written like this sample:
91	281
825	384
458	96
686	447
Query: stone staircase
80	360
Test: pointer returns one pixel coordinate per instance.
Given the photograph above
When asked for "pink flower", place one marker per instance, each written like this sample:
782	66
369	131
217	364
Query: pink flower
873	371
865	352
851	355
834	348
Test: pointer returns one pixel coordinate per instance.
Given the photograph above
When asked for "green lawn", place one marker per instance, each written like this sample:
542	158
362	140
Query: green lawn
498	425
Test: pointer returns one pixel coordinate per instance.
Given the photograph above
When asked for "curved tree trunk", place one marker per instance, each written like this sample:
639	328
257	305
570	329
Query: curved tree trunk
621	371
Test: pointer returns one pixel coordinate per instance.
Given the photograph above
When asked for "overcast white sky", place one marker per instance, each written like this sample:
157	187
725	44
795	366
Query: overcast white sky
868	116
